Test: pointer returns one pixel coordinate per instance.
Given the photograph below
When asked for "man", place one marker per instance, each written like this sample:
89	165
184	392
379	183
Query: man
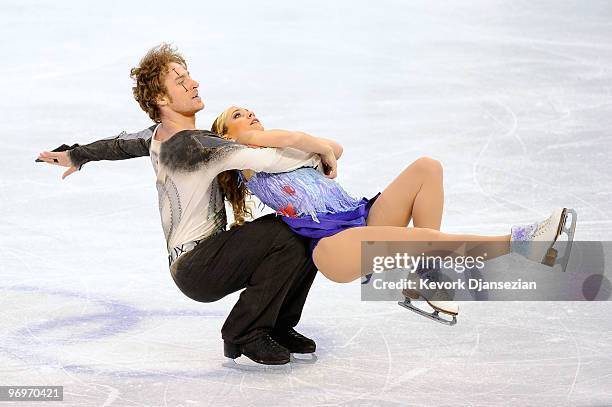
207	262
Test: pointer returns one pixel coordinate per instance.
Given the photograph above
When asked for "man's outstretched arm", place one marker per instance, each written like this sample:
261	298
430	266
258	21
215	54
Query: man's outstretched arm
120	147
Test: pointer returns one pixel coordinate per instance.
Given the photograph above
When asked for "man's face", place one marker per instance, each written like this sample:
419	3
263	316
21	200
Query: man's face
182	91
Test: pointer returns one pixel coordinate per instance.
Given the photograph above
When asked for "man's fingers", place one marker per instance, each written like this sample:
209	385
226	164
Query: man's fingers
59	158
50	160
47	154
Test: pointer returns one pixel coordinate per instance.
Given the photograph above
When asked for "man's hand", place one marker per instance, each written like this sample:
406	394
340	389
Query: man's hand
60	158
330	165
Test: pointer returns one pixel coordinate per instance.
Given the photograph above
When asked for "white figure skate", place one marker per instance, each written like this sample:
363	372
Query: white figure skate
438	301
545	234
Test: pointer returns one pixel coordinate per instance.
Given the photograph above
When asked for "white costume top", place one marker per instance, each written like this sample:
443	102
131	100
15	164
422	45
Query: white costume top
186	168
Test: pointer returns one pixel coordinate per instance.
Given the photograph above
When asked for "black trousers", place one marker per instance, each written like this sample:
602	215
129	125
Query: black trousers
265	257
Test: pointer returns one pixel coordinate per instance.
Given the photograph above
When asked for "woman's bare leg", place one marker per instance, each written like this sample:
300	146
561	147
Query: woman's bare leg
338	257
416	193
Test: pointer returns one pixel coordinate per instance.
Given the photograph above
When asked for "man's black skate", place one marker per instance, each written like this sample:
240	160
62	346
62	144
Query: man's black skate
263	349
294	341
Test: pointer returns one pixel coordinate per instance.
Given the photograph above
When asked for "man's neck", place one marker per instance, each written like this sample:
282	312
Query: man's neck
172	125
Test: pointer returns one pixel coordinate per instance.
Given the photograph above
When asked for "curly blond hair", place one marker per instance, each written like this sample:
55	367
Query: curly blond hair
149	76
233	190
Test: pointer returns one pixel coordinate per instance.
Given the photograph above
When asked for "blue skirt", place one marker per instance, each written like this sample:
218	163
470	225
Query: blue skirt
330	223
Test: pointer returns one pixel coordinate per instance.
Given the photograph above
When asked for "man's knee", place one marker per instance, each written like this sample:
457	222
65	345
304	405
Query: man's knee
210	292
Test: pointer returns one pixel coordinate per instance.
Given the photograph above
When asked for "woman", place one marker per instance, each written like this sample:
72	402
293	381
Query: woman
317	207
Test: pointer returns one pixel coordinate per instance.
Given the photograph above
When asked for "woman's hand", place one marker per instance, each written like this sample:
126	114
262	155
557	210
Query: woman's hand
60	158
330	165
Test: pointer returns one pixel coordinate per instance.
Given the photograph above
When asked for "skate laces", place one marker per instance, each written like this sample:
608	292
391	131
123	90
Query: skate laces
530	231
292	333
271	343
542	227
521	236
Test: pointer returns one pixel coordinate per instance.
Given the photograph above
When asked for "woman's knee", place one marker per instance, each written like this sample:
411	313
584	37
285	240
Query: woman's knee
428	165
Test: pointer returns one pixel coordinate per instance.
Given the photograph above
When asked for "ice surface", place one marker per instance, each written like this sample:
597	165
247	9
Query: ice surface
514	97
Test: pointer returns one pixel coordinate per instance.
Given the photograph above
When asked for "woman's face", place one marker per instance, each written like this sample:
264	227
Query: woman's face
240	120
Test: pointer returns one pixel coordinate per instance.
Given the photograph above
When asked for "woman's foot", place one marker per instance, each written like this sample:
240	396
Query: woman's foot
534	241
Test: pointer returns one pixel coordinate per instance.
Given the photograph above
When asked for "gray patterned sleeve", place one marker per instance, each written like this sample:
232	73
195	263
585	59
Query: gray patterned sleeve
191	150
221	155
119	147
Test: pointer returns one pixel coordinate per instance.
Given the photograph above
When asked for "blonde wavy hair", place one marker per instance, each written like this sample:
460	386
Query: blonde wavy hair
233	190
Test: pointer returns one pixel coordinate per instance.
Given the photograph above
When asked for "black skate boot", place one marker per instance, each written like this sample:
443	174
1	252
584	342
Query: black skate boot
263	349
294	341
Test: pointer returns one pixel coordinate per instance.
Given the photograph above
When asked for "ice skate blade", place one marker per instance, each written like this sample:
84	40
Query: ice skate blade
415	295
304	358
433	315
567	226
366	279
247	365
550	257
